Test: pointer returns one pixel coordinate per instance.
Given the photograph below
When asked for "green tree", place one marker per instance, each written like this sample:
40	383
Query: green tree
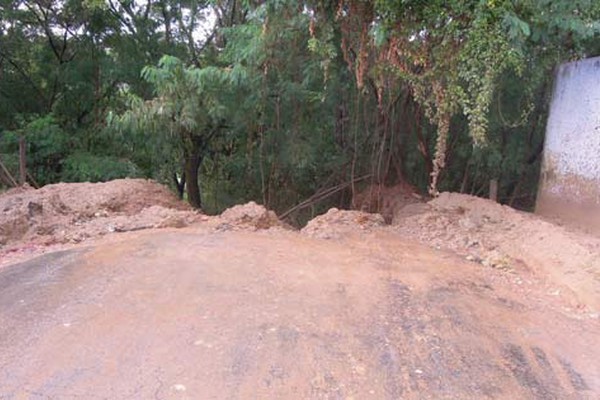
452	56
284	100
186	110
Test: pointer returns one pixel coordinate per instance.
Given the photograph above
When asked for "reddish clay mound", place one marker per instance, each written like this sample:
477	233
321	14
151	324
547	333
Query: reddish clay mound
386	200
337	223
501	237
249	216
72	212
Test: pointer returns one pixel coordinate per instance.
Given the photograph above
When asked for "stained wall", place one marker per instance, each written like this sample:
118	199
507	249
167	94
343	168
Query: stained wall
570	175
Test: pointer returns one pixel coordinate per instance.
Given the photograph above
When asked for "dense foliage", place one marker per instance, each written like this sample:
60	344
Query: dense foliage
282	101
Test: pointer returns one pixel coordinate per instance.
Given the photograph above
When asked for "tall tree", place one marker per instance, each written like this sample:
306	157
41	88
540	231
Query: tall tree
186	108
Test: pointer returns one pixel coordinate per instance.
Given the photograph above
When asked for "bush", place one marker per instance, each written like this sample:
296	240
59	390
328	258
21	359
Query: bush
85	167
47	145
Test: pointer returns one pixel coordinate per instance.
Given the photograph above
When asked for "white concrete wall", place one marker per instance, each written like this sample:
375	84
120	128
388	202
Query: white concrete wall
570	179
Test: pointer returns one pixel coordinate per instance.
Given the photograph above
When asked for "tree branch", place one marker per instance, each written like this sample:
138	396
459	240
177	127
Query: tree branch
21	72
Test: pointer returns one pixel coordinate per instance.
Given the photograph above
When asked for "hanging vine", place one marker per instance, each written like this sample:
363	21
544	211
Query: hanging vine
450	54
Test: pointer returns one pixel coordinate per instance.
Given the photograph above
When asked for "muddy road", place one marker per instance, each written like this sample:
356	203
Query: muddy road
238	315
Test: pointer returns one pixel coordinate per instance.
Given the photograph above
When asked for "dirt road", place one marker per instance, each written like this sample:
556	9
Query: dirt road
233	315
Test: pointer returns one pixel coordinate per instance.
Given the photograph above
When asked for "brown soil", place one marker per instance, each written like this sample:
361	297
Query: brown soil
74	212
491	304
198	314
496	236
385	200
250	216
336	223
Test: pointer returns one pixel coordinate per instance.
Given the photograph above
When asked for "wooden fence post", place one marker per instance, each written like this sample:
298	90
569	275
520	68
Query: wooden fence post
494	190
22	161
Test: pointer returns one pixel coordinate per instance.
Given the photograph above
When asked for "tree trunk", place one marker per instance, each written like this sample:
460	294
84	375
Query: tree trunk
192	165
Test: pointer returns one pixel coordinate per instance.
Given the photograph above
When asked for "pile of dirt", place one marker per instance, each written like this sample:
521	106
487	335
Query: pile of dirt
337	223
386	200
72	212
501	237
480	230
249	216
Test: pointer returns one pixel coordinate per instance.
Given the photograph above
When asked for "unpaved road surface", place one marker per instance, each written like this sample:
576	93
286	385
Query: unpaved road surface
238	315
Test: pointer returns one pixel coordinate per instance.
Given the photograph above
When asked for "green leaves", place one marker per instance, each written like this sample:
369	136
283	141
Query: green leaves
270	98
85	167
516	27
47	145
